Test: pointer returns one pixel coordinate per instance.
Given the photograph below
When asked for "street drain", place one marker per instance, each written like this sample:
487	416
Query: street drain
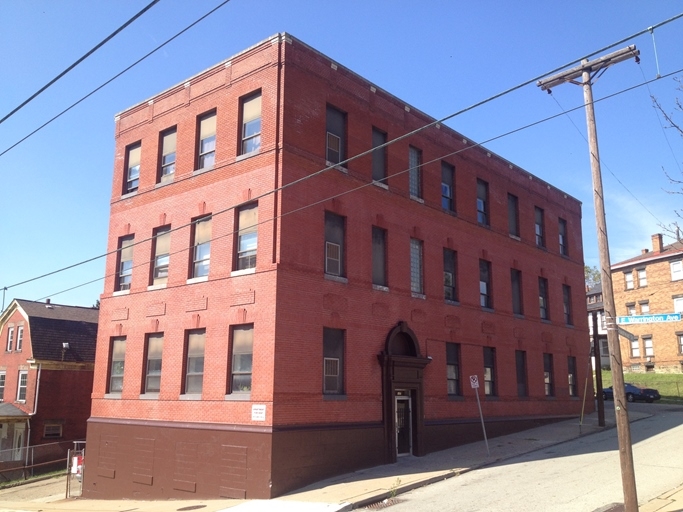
383	504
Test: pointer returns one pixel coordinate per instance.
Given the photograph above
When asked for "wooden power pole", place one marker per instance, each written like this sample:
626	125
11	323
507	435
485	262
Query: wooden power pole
587	71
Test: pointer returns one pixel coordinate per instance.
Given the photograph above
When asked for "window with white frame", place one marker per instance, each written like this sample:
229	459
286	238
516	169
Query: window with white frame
630	309
416	267
168	152
22	385
648	346
154	349
334	244
333	361
678	304
162	250
206	148
242	357
201	250
644	308
642	278
10	339
20	337
415	173
336	135
52	430
635	348
117	360
251	124
194	361
676	270
247	236
133	153
125	267
628	280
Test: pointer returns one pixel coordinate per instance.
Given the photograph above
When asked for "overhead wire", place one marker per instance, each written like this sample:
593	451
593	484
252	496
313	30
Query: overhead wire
360	155
343	193
113	78
72	66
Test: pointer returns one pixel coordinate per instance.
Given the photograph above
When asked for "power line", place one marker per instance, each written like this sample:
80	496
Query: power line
360	155
88	54
114	77
355	189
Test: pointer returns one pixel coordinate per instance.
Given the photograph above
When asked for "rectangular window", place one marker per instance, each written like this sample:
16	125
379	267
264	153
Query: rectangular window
251	124
645	308
415	173
642	278
513	215
516	285
117	362
450	272
20	337
573	380
247	236
631	309
3	376
543	298
154	349
548	377
333	361
242	357
336	135
334	244
485	289
168	151
416	270
649	347
379	256
490	371
635	348
52	431
482	202
539	226
680	351
125	266
628	279
447	187
520	362
206	149
678	304
564	247
10	339
676	270
133	153
201	247
194	361
567	304
22	386
379	156
162	255
453	368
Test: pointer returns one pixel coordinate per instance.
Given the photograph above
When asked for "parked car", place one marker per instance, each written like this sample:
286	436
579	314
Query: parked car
633	393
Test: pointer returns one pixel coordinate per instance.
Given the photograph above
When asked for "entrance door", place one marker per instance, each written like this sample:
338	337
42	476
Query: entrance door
404	436
18	443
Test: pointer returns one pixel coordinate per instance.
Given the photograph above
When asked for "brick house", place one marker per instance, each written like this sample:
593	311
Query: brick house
648	295
265	324
46	374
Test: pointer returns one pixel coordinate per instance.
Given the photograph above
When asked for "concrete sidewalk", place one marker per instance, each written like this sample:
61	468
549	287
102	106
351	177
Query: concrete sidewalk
355	490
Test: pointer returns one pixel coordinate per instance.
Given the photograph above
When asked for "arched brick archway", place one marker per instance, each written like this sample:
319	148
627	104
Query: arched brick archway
402	390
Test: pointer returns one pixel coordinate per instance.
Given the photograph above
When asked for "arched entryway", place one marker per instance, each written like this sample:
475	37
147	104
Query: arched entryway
402	393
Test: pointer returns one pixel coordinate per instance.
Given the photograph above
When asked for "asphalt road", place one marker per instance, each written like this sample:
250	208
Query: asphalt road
580	475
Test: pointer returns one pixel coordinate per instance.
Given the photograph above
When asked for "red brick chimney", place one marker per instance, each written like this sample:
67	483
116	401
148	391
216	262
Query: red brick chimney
657	242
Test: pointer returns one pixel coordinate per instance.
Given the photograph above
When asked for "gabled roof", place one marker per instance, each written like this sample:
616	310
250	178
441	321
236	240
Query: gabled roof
51	325
668	251
11	411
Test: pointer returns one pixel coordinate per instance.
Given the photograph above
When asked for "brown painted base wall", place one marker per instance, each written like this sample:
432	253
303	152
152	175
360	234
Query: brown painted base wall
155	460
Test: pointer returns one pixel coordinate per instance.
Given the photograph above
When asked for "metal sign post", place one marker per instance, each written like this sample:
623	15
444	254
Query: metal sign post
474	382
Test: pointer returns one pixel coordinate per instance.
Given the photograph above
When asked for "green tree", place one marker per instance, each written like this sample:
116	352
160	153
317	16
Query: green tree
592	275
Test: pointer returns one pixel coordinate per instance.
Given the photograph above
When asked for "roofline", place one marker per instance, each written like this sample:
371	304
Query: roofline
635	263
286	37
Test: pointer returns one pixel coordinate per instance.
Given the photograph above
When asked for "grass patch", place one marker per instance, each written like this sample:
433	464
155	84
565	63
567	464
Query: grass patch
669	385
21	481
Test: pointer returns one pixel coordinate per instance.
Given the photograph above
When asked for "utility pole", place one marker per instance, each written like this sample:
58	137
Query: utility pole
588	70
598	369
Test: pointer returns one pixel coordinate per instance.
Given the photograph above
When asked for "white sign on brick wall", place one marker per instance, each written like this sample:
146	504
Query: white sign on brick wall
258	412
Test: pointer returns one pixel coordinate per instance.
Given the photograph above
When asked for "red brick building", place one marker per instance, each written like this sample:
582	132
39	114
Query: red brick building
46	375
265	324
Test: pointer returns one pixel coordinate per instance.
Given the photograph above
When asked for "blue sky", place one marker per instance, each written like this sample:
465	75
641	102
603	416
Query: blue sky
439	56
